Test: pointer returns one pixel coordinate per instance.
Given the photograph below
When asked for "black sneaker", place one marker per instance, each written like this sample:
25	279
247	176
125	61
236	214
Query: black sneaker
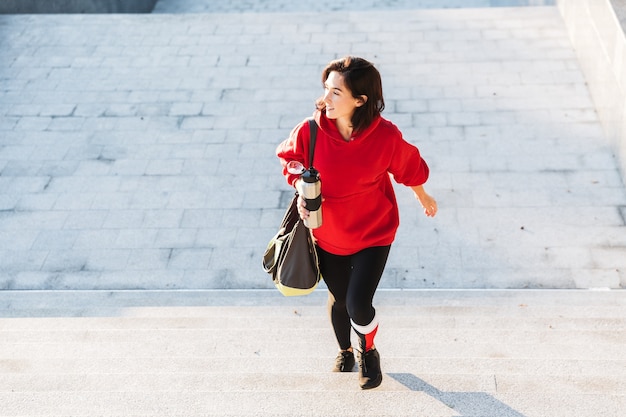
370	375
344	362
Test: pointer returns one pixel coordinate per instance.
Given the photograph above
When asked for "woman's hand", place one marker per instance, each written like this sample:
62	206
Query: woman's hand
301	204
304	213
428	203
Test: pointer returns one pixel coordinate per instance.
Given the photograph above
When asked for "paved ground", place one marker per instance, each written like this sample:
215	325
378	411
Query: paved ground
136	151
255	353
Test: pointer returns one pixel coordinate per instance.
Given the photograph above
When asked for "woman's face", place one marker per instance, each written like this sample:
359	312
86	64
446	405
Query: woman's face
338	98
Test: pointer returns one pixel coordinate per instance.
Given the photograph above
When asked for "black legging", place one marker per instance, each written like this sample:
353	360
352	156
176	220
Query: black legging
352	281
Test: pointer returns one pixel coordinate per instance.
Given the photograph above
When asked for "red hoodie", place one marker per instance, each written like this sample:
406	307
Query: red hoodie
359	208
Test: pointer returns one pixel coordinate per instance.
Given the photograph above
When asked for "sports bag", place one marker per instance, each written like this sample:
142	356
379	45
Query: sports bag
290	257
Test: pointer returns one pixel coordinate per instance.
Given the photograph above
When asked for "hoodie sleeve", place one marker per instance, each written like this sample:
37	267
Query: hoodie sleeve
407	166
294	148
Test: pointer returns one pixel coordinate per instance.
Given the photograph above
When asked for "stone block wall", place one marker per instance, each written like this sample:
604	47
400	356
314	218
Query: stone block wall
600	43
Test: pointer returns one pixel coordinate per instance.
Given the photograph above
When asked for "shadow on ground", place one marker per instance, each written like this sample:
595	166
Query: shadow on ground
467	404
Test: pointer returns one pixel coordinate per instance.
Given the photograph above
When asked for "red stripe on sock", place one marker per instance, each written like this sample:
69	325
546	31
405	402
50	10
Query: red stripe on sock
369	339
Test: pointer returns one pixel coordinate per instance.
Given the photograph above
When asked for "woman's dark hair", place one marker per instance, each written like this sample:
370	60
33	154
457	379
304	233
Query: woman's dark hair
363	79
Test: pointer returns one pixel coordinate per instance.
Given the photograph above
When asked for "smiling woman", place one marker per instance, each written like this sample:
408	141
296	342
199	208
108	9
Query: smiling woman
353	93
356	153
76	6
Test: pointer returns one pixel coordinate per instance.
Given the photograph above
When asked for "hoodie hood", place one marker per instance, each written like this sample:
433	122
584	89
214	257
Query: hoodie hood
329	127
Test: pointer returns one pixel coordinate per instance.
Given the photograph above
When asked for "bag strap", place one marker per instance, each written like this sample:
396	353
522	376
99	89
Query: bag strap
313	134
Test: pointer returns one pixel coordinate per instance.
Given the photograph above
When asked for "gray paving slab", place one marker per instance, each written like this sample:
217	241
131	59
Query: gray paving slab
136	152
489	353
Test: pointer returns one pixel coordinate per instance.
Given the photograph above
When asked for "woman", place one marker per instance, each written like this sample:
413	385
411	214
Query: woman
355	153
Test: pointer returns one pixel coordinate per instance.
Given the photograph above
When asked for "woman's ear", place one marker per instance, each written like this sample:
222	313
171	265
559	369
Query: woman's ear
361	100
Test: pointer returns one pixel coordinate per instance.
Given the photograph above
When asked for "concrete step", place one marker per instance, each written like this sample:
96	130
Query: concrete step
256	353
282	330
